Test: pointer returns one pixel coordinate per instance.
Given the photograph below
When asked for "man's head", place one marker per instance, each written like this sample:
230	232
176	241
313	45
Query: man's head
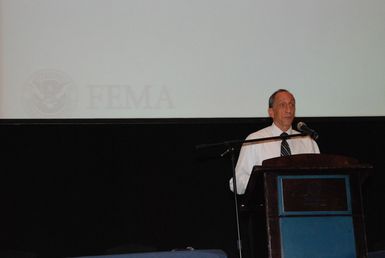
282	109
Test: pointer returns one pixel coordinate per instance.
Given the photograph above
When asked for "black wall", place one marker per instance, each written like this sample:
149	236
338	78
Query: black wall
87	187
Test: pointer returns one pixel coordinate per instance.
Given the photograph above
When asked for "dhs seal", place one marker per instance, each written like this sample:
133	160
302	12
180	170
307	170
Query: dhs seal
50	93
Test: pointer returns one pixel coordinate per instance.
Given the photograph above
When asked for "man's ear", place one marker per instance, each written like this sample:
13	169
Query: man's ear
270	112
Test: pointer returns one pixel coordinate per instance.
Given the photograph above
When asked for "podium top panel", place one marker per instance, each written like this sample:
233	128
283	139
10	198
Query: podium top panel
312	161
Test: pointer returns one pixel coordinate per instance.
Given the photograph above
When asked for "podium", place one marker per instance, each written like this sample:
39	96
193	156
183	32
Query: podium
311	205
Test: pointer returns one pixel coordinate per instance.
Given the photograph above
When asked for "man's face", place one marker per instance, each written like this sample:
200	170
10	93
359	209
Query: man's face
283	110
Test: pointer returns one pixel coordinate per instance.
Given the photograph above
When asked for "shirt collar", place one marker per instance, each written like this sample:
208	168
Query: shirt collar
276	131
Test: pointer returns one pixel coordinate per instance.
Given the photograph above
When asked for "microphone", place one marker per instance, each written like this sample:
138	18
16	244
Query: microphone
301	126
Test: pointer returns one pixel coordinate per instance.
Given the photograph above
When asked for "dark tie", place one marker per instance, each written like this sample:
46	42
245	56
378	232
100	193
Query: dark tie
285	149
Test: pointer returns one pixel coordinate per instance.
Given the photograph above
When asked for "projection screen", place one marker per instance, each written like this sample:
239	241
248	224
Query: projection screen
190	58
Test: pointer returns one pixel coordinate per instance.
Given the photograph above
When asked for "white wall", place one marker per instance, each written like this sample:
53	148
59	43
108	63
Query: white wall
190	58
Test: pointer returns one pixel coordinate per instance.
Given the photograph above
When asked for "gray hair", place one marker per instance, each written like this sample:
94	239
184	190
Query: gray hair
272	97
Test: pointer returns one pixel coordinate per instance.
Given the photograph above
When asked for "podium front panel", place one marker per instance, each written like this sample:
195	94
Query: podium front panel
313	214
317	237
314	195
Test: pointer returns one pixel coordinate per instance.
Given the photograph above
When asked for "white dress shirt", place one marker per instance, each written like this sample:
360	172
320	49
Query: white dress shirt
254	153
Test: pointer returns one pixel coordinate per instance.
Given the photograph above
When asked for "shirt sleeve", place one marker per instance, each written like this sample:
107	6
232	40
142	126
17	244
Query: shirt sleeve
246	162
314	146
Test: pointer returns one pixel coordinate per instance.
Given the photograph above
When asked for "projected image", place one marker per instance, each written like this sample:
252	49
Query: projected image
188	59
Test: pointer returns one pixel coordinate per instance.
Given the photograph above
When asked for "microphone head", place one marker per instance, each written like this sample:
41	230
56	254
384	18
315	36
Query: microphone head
300	125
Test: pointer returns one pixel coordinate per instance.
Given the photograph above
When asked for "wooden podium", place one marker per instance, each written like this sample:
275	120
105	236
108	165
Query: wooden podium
312	206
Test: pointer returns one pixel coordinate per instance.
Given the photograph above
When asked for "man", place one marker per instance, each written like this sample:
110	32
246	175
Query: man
282	111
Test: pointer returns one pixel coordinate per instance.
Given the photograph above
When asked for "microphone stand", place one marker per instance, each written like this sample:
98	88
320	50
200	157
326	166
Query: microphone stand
231	150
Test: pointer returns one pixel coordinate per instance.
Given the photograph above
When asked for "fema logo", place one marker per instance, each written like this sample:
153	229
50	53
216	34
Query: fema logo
49	93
